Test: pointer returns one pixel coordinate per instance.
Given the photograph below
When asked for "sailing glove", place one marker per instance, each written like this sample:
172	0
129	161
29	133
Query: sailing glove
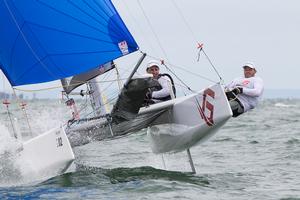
237	90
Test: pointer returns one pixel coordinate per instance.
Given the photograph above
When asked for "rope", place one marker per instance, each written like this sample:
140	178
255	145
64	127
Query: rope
193	35
221	80
88	114
152	29
118	79
200	46
56	87
187	71
141	30
177	77
22	106
184	20
36	90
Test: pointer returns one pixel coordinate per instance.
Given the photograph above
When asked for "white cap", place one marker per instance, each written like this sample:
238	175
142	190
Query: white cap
249	64
153	63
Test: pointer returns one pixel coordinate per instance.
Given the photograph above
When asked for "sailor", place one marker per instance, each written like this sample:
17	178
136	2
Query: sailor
167	89
244	93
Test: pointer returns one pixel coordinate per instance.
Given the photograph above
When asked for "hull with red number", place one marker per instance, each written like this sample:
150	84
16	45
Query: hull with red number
174	125
190	120
46	155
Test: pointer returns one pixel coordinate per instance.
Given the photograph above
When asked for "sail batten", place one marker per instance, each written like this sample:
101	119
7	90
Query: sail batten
95	26
43	40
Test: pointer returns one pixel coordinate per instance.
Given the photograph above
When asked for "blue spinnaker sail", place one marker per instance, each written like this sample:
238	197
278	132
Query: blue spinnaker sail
45	40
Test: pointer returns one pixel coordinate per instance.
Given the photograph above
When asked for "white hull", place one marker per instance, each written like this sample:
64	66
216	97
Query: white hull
176	124
190	120
48	154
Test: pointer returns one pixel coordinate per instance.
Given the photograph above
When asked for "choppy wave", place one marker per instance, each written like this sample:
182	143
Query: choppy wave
254	156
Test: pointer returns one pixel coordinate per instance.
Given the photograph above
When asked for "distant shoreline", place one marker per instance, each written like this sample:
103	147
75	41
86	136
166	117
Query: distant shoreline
268	94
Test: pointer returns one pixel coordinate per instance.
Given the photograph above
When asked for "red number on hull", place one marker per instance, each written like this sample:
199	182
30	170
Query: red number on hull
207	106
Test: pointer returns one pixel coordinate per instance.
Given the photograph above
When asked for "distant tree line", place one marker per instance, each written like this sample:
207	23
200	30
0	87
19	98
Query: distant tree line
4	95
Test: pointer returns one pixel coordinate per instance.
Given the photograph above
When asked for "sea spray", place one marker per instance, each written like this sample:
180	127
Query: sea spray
10	171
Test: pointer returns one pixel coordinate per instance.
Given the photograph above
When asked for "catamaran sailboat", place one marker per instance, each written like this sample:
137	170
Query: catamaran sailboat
199	115
46	40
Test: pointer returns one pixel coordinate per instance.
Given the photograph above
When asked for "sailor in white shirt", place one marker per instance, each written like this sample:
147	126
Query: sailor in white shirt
245	92
165	92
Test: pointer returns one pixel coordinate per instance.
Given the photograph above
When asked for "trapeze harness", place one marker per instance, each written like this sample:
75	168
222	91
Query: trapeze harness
248	99
233	97
166	98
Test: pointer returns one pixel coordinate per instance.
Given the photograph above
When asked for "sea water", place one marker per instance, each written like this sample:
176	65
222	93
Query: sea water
254	156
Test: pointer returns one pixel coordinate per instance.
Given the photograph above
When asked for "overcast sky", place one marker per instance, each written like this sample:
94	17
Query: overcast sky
233	32
266	32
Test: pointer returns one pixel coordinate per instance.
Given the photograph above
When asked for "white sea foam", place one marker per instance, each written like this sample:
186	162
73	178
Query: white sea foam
10	170
284	105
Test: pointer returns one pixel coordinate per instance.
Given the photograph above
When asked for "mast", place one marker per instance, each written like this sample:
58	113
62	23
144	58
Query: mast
96	99
135	69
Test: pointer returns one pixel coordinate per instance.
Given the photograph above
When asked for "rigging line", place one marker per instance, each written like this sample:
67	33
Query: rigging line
178	78
83	105
119	82
182	88
107	87
221	80
82	108
107	103
152	29
126	70
56	87
195	38
141	30
164	52
103	90
22	107
113	10
107	74
184	20
183	69
43	89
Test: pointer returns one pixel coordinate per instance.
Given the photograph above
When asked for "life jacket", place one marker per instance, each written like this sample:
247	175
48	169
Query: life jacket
172	82
159	88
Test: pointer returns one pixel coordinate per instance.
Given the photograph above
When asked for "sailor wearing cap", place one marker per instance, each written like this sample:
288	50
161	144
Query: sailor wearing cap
244	93
165	91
